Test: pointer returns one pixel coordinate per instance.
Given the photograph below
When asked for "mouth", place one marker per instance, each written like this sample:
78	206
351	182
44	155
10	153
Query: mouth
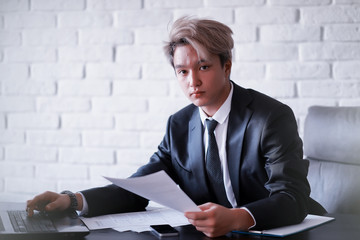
197	93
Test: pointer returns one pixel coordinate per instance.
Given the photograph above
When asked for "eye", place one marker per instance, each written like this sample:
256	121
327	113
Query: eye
181	72
205	67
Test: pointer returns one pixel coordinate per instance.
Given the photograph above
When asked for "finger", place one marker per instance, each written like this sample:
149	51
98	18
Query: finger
206	206
195	215
38	203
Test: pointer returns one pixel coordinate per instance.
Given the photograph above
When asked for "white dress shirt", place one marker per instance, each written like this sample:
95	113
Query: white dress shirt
222	117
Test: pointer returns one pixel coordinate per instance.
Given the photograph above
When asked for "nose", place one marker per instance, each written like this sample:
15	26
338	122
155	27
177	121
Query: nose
194	79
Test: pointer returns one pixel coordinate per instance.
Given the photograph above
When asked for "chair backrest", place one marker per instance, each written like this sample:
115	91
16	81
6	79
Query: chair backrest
332	145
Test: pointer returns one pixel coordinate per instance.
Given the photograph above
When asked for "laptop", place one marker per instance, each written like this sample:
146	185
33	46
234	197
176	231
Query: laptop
14	224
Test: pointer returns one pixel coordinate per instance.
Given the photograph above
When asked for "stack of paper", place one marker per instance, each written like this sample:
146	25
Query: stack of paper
137	221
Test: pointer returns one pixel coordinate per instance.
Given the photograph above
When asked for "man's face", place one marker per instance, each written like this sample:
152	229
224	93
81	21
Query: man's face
203	80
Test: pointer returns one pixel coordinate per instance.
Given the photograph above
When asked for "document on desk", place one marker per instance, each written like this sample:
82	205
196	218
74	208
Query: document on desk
160	188
137	221
309	222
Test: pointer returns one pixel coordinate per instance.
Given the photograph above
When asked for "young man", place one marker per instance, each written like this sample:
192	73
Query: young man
247	173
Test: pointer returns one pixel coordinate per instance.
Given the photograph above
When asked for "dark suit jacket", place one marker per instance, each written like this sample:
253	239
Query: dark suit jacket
265	159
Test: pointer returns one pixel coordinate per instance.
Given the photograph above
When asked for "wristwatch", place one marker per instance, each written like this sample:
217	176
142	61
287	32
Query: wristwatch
73	200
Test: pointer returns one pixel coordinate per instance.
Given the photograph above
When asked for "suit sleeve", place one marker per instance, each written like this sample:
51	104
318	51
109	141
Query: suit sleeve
281	148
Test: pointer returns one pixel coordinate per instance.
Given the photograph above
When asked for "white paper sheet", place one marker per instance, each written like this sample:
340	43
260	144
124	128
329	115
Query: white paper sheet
160	188
310	221
137	221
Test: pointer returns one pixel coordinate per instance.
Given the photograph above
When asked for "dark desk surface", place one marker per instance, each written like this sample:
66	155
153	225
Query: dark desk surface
344	227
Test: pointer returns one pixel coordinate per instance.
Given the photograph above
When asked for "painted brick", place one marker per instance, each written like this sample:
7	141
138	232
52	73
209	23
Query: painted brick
16	104
44	37
29	88
111	139
247	71
34	54
329	51
267	15
157	71
275	89
350	102
10	38
131	18
150	35
113	70
87	156
58	5
75	185
257	52
295	70
224	15
233	3
147	122
156	4
16	169
165	105
151	140
84	88
325	89
114	4
31	153
133	157
29	185
61	171
244	33
140	88
2	121
301	106
56	70
12	137
139	54
86	54
10	5
119	104
106	36
87	121
11	71
33	121
53	138
63	104
85	19
30	20
346	70
286	33
331	14
342	32
299	2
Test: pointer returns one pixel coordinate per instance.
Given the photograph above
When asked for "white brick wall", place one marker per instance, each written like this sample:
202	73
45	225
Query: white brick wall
86	91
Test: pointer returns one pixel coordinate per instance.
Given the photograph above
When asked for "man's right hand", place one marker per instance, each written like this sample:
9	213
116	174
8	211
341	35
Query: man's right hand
50	201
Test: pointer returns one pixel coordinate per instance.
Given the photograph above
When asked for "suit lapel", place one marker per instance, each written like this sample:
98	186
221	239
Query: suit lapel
238	120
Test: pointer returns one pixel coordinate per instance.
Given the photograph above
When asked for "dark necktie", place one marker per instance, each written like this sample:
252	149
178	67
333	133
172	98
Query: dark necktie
213	166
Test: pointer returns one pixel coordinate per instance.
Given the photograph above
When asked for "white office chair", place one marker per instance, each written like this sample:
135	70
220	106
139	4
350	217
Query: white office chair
332	145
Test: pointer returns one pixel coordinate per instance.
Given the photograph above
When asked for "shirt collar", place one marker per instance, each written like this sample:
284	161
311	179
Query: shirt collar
222	113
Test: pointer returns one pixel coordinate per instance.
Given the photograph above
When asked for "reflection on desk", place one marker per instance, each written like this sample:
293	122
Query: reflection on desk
345	226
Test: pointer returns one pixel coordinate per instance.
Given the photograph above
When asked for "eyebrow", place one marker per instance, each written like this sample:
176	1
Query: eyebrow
200	61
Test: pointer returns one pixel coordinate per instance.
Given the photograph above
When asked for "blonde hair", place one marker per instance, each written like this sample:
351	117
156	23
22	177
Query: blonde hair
201	34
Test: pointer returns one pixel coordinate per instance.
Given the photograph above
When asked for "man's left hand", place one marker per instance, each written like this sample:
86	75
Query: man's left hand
215	220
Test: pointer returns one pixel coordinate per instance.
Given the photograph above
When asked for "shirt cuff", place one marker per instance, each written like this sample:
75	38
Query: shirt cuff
85	208
250	215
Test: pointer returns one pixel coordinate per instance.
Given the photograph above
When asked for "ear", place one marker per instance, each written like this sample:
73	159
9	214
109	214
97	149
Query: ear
227	68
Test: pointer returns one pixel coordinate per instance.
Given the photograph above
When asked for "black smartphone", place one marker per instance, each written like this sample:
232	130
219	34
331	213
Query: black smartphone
164	230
